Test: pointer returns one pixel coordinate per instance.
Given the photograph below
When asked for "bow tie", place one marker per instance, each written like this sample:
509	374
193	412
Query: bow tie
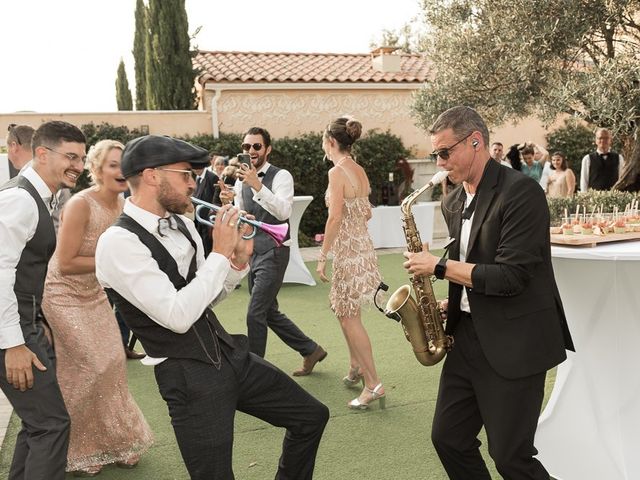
165	224
261	174
51	202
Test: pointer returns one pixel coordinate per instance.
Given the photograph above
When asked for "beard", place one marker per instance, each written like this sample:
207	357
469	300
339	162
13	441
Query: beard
171	200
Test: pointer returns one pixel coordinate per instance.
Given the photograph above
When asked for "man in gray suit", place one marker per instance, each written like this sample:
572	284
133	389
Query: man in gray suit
266	192
27	361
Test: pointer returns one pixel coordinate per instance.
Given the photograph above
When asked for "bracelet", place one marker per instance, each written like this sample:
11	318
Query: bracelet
236	267
322	257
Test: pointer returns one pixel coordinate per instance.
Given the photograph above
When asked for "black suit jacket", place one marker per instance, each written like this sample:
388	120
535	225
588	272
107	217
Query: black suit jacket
515	304
205	191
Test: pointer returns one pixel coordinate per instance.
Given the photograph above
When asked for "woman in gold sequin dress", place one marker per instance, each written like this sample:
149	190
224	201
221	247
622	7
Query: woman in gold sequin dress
106	424
355	268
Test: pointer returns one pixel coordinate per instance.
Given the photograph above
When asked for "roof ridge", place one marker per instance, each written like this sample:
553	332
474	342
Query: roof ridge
324	54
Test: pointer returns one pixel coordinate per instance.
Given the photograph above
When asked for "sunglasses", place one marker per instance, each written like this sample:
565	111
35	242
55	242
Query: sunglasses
11	129
247	146
186	174
444	153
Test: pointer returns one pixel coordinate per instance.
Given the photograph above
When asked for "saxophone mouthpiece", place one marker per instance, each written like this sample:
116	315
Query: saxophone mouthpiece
438	177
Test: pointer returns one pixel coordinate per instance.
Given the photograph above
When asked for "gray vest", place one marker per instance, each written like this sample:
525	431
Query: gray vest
262	242
31	270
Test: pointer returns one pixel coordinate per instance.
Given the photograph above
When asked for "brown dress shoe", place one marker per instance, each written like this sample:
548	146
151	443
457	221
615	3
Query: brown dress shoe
310	361
133	355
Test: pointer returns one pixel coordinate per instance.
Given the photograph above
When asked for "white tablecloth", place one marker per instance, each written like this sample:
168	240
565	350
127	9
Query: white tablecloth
297	271
590	429
385	226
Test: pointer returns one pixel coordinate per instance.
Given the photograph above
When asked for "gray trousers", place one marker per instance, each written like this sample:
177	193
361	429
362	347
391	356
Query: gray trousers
42	443
265	280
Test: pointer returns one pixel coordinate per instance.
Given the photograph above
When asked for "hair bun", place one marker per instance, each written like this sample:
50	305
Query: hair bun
354	129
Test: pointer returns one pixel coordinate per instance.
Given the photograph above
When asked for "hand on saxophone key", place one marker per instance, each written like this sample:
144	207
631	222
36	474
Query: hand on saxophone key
420	263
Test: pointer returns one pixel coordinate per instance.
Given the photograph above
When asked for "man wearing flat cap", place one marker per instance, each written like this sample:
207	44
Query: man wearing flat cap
152	266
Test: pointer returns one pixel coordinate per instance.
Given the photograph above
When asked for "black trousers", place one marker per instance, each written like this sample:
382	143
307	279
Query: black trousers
265	280
471	395
202	403
42	443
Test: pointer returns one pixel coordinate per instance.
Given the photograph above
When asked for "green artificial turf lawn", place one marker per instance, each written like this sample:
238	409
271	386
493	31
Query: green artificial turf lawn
381	444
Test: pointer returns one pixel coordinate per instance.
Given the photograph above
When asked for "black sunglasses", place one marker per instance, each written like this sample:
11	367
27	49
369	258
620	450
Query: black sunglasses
444	153
12	129
247	146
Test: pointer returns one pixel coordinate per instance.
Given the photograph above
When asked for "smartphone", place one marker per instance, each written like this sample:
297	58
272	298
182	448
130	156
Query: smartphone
244	158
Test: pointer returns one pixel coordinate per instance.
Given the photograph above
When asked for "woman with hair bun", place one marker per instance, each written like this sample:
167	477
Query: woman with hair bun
106	424
355	276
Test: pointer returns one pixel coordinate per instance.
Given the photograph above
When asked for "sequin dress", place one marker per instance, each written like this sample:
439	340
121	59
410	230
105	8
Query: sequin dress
355	276
106	424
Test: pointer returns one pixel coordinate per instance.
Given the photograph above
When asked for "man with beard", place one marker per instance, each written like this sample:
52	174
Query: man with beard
29	239
151	264
266	192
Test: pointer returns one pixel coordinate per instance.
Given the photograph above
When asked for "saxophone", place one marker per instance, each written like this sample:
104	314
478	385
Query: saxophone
420	318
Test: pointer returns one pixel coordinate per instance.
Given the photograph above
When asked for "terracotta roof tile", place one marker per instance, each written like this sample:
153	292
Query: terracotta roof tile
255	67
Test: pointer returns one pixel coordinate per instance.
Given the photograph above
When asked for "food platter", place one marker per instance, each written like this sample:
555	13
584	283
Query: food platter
580	240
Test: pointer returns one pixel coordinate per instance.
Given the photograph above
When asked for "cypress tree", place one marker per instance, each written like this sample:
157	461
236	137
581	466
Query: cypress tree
139	48
123	93
170	73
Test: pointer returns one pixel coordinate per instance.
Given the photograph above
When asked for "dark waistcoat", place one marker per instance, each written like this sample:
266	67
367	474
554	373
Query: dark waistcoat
262	242
200	342
31	270
603	174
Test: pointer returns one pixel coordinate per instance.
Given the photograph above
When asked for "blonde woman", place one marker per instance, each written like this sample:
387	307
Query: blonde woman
106	424
355	267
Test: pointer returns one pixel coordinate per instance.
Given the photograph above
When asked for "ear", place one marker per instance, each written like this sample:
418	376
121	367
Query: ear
150	176
268	150
40	154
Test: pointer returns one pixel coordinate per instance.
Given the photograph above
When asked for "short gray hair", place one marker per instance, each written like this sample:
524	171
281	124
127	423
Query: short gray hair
463	121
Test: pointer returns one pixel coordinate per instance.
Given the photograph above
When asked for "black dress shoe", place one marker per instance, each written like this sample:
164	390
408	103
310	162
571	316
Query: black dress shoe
133	355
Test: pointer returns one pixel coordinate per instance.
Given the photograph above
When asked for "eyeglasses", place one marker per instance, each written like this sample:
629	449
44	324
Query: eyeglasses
186	174
444	153
247	146
12	129
72	157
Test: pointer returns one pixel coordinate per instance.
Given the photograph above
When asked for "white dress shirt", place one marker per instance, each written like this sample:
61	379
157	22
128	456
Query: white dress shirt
278	201
18	222
465	232
584	171
125	264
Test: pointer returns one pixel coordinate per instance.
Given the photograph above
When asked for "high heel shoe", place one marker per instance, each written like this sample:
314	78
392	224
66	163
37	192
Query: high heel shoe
353	378
357	404
91	471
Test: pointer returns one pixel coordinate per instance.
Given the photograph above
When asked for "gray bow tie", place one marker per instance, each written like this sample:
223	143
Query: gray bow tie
51	202
165	224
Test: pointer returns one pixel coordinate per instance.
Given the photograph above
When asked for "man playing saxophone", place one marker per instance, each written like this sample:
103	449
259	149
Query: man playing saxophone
504	308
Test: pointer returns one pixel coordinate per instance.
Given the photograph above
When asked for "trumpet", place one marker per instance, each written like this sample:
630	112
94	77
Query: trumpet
277	232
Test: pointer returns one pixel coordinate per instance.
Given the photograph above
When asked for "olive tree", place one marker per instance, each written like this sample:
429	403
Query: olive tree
514	58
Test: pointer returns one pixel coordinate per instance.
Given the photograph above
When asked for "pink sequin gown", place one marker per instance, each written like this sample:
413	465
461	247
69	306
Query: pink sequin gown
106	424
355	275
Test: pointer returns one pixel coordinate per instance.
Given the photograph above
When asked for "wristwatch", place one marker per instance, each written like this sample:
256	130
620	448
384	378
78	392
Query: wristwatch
441	269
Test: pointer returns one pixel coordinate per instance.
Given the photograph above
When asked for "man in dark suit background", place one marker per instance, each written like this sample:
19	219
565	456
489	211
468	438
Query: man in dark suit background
206	182
504	309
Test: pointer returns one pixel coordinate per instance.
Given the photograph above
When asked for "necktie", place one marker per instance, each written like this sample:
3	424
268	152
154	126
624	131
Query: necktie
198	181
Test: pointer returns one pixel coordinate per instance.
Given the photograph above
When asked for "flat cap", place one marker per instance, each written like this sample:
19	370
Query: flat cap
153	151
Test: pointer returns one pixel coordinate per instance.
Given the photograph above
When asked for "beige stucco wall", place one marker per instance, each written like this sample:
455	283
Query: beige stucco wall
292	112
158	122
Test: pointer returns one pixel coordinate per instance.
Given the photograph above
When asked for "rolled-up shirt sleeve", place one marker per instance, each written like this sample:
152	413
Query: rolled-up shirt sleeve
18	222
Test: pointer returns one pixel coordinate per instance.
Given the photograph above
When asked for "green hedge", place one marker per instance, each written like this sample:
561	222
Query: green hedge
376	151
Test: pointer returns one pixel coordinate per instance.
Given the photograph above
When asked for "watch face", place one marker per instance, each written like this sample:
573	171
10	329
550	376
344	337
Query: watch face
441	269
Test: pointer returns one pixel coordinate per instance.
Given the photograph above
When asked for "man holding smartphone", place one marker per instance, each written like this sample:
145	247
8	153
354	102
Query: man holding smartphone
266	192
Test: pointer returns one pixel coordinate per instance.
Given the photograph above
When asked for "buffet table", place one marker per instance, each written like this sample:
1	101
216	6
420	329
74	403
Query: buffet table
385	226
297	271
590	429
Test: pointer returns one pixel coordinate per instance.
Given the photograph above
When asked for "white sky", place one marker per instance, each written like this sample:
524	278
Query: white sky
62	55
